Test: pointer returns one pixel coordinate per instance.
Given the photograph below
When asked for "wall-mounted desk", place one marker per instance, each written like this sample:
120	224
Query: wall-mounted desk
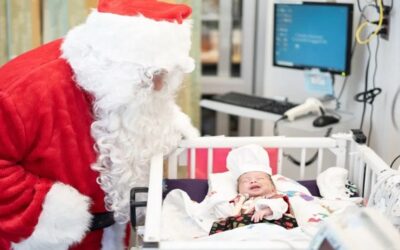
304	123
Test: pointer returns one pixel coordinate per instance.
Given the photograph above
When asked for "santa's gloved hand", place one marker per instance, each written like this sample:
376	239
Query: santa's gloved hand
184	125
190	132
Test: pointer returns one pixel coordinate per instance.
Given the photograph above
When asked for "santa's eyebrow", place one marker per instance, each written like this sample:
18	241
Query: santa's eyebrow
160	71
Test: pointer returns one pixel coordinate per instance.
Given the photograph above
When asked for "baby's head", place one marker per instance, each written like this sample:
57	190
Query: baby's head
250	166
256	183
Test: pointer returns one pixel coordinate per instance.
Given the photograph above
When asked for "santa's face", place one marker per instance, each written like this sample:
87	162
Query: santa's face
171	81
158	80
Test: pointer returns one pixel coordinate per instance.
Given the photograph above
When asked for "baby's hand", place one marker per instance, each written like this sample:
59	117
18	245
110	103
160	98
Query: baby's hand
260	214
240	198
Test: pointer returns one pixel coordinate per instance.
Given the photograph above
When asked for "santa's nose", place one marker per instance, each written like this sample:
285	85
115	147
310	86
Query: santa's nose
158	80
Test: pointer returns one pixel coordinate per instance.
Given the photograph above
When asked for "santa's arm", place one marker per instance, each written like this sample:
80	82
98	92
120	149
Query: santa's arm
35	213
184	124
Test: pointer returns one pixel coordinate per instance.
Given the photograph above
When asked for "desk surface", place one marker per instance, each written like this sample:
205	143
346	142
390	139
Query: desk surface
304	122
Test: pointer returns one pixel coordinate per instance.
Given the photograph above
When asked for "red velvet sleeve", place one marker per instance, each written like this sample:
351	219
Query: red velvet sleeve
21	193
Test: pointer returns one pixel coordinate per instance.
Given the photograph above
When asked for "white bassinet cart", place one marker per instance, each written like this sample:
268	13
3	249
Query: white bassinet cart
362	163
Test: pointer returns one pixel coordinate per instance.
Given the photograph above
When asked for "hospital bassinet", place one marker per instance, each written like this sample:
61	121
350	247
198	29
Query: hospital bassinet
362	163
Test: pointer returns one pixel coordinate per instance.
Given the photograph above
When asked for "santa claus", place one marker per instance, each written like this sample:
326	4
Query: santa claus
80	119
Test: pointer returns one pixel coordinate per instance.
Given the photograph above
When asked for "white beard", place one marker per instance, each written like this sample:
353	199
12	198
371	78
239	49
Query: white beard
132	123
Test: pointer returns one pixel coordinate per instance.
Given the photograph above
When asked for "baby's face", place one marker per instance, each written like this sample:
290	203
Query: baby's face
255	184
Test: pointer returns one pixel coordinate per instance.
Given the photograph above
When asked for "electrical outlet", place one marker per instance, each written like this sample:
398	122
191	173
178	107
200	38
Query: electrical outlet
384	31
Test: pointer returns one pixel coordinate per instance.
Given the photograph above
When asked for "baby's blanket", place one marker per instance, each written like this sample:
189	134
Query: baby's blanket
266	232
287	221
184	219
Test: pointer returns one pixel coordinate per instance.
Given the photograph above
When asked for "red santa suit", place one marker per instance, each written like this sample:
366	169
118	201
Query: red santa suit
72	126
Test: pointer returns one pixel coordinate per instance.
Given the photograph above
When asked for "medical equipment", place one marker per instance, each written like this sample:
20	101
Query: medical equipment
357	229
311	105
386	195
361	162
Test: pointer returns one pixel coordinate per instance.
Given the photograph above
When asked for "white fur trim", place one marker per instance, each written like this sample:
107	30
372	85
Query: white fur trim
134	39
113	237
64	220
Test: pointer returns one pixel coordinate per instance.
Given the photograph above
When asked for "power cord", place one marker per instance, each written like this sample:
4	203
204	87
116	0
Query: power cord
393	109
290	157
394	160
275	130
365	24
368	96
312	159
391	5
338	103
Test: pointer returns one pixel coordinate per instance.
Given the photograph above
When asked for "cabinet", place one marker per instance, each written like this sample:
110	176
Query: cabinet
227	43
227	58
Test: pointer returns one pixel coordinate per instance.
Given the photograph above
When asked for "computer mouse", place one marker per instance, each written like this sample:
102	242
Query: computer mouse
324	120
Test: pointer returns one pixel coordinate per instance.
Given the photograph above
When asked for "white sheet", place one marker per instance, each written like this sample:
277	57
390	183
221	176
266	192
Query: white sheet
184	219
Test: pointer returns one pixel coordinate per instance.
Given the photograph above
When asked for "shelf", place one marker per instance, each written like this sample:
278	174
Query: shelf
210	19
304	123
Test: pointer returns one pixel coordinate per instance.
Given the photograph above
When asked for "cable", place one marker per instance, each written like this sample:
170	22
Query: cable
370	125
291	158
391	6
396	97
374	87
363	25
275	131
376	62
368	96
395	159
361	97
351	56
359	5
362	14
312	159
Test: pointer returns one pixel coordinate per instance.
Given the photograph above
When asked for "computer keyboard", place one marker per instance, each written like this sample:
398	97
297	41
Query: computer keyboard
255	102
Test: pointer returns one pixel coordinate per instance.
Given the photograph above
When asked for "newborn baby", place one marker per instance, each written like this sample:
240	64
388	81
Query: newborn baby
258	199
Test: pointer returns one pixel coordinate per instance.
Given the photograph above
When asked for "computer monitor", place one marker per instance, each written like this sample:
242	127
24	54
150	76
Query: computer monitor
311	35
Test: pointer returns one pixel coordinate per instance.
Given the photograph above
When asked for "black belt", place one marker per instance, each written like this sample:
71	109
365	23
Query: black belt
102	220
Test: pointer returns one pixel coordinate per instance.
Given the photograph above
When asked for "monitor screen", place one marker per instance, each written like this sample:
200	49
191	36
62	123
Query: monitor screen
313	35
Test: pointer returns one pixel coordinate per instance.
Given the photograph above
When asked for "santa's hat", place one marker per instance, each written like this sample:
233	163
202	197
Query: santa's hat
147	32
159	11
248	158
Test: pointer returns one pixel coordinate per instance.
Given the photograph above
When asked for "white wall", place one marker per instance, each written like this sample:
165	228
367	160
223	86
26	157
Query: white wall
287	82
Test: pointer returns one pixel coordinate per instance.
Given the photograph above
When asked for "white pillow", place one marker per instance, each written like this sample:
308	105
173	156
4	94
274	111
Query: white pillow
224	183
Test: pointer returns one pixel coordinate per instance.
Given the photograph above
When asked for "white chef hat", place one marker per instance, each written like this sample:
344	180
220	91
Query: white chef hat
248	158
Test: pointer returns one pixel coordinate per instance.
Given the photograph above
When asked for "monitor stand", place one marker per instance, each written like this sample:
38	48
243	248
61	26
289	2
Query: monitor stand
318	82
